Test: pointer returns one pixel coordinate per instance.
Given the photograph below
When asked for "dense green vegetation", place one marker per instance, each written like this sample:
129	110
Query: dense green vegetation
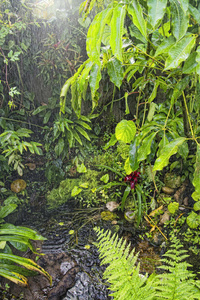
113	123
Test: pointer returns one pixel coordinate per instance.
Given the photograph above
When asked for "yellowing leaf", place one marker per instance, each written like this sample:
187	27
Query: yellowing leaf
172	207
125	131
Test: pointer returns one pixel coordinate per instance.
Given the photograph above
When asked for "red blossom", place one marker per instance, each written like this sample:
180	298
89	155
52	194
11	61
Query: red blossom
57	44
132	178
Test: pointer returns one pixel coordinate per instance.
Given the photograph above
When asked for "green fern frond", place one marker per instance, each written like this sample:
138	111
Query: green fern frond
126	283
178	283
122	272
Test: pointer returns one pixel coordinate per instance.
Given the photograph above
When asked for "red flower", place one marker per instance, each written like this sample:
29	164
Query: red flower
56	45
132	178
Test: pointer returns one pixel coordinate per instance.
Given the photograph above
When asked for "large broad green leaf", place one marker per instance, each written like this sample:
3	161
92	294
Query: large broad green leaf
111	142
134	32
156	11
193	220
13	276
195	13
179	88
6	210
169	150
135	11
125	131
8	229
127	166
166	44
180	52
172	207
133	156
151	112
95	77
196	179
117	30
27	263
197	206
81	168
180	20
198	60
184	4
95	33
76	190
145	148
83	79
190	64
17	240
47	117
183	150
115	71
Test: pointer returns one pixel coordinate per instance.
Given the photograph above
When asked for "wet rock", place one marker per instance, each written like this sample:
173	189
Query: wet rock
165	217
158	238
84	289
108	215
172	180
179	195
18	185
148	257
65	283
185	201
31	166
130	216
167	190
112	205
66	266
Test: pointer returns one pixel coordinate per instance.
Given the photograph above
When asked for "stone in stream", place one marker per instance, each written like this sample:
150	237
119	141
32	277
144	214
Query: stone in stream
67	282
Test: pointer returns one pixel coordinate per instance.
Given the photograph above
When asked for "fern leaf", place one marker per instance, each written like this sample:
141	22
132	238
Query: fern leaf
122	272
178	283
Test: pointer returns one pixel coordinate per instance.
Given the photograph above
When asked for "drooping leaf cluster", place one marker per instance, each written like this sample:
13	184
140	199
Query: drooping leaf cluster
18	237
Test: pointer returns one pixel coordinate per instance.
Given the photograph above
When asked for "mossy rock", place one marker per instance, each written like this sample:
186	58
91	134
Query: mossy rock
108	216
18	185
62	194
172	180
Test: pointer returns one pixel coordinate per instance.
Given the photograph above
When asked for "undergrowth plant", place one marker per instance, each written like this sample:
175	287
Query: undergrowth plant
124	278
14	267
13	145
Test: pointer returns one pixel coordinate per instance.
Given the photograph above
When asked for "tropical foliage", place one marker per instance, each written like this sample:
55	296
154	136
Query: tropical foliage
153	48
